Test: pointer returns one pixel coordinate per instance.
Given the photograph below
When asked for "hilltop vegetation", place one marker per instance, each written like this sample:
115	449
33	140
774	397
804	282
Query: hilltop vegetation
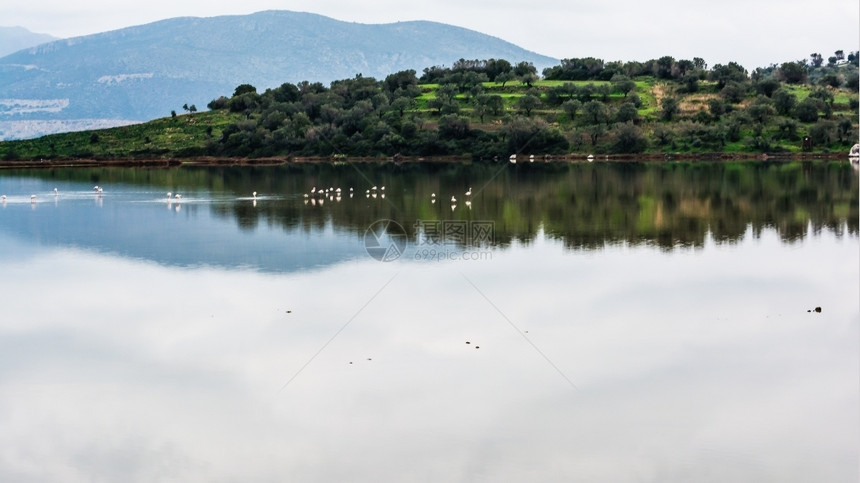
490	109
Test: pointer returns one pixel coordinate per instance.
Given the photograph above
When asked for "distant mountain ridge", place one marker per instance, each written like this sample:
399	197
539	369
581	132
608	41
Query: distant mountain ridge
144	72
13	39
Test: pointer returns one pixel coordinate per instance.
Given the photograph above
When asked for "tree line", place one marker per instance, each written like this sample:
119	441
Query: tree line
493	108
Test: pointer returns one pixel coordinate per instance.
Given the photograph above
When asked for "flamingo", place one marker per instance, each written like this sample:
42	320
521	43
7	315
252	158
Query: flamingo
469	193
169	195
3	197
513	159
32	198
254	194
56	193
177	196
531	158
453	200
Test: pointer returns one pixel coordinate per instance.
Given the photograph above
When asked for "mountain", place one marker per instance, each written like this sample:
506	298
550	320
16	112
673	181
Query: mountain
144	72
13	39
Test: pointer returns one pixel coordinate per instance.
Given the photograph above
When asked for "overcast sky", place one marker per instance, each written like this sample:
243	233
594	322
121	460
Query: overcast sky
754	33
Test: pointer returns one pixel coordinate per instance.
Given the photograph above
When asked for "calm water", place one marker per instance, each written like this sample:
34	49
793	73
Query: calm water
586	322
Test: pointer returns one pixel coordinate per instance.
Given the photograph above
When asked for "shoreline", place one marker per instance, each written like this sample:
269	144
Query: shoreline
288	160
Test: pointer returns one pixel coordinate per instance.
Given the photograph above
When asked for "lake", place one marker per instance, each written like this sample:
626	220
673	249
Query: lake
615	322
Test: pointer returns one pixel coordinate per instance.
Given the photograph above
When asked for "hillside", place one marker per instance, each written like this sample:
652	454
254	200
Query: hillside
144	72
485	110
13	39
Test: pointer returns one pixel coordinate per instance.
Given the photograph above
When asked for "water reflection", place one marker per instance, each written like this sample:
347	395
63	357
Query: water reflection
586	206
630	322
689	366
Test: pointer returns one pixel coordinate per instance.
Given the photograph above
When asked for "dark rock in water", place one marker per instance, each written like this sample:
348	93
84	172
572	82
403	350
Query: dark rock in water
818	309
468	342
809	310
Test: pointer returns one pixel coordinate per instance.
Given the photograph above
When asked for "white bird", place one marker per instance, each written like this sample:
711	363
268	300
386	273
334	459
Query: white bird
3	197
306	195
56	193
382	188
32	198
350	190
254	194
513	158
177	196
469	193
531	158
169	195
453	200
100	190
337	190
313	190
